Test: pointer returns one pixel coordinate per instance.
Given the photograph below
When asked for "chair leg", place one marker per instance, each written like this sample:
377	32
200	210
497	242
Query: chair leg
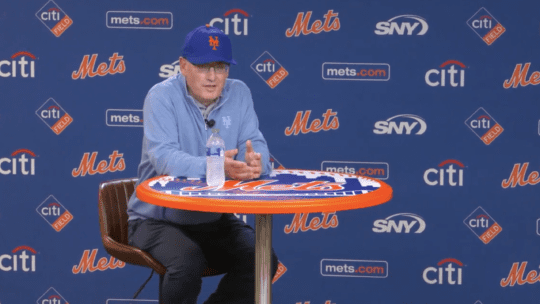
160	283
144	284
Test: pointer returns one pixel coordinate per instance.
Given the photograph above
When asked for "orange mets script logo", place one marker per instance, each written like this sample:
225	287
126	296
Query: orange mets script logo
301	122
299	222
517	177
517	275
301	24
88	163
519	77
214	42
87	67
88	260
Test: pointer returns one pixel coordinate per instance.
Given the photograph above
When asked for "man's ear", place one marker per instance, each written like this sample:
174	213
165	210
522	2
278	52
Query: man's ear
183	65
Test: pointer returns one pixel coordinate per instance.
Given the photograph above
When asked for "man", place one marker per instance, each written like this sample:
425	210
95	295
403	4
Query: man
179	114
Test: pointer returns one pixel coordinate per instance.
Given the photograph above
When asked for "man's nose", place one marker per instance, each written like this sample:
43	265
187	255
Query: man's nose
211	75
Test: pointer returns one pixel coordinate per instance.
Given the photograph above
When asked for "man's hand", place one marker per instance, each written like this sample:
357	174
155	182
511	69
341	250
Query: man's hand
236	169
253	160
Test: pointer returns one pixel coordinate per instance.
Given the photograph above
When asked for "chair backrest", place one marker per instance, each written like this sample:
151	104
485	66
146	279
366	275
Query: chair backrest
113	198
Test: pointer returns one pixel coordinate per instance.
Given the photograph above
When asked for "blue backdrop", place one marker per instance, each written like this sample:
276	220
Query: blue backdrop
437	98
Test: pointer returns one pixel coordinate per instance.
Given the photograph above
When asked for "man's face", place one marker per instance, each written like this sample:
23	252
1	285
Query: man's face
205	82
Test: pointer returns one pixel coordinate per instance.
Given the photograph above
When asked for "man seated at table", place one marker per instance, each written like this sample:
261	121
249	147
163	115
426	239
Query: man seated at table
179	114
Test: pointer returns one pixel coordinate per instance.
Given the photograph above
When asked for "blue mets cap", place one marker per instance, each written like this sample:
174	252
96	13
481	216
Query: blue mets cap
207	44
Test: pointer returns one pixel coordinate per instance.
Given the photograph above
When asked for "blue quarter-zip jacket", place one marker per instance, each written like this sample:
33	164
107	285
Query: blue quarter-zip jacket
175	135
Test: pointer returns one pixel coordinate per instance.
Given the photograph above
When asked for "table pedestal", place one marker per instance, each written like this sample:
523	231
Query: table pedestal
263	258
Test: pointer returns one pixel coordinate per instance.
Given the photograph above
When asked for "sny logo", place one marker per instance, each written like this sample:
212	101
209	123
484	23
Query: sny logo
22	160
388	27
451	72
520	75
237	30
486	26
87	164
301	24
54	116
484	126
88	260
356	71
22	63
439	271
390	125
87	67
51	296
483	225
22	257
300	123
54	213
168	70
450	171
388	224
54	18
270	71
517	177
300	220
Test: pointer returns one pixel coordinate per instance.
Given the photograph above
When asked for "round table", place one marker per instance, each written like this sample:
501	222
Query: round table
282	191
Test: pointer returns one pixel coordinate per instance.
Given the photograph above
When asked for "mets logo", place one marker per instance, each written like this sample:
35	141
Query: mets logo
214	42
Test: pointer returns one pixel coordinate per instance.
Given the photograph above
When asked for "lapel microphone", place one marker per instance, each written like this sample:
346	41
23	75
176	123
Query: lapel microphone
210	122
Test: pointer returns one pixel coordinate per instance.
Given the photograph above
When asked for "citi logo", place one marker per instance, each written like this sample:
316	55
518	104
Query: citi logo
517	176
441	173
22	160
484	126
486	26
519	77
440	78
300	222
240	24
517	276
168	70
270	71
18	260
21	65
88	67
88	263
51	296
54	116
435	275
482	225
393	24
87	165
54	213
300	123
54	18
123	118
301	24
391	126
389	224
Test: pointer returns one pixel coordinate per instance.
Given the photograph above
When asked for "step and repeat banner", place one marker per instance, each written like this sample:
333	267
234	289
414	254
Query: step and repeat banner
438	99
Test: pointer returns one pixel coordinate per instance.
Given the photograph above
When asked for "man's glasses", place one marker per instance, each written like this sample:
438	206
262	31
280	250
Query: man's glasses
219	68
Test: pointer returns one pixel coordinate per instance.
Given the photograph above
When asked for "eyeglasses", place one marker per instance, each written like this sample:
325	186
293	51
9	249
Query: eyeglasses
219	68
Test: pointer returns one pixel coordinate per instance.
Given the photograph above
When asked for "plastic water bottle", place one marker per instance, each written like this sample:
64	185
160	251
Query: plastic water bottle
215	160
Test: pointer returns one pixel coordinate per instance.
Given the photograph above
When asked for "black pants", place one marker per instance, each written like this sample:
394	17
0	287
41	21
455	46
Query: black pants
227	244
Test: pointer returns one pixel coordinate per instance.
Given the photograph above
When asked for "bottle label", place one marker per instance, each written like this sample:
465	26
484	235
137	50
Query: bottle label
215	151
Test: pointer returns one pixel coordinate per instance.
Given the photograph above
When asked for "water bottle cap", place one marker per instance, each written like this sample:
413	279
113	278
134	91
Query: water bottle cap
215	130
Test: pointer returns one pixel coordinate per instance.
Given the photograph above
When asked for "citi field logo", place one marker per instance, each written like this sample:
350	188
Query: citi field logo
300	222
22	161
301	24
407	123
280	272
139	20
88	67
87	165
486	26
377	170
483	225
88	263
300	123
123	118
12	66
436	275
517	176
22	258
168	70
517	276
519	77
356	71
51	296
405	224
440	75
275	164
354	268
54	213
484	126
54	116
239	24
270	71
54	18
450	173
401	27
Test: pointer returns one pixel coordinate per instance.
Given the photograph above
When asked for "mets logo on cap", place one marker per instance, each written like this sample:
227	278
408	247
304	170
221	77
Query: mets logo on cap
207	44
214	42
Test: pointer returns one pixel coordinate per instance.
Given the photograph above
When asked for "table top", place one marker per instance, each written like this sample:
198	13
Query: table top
282	191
